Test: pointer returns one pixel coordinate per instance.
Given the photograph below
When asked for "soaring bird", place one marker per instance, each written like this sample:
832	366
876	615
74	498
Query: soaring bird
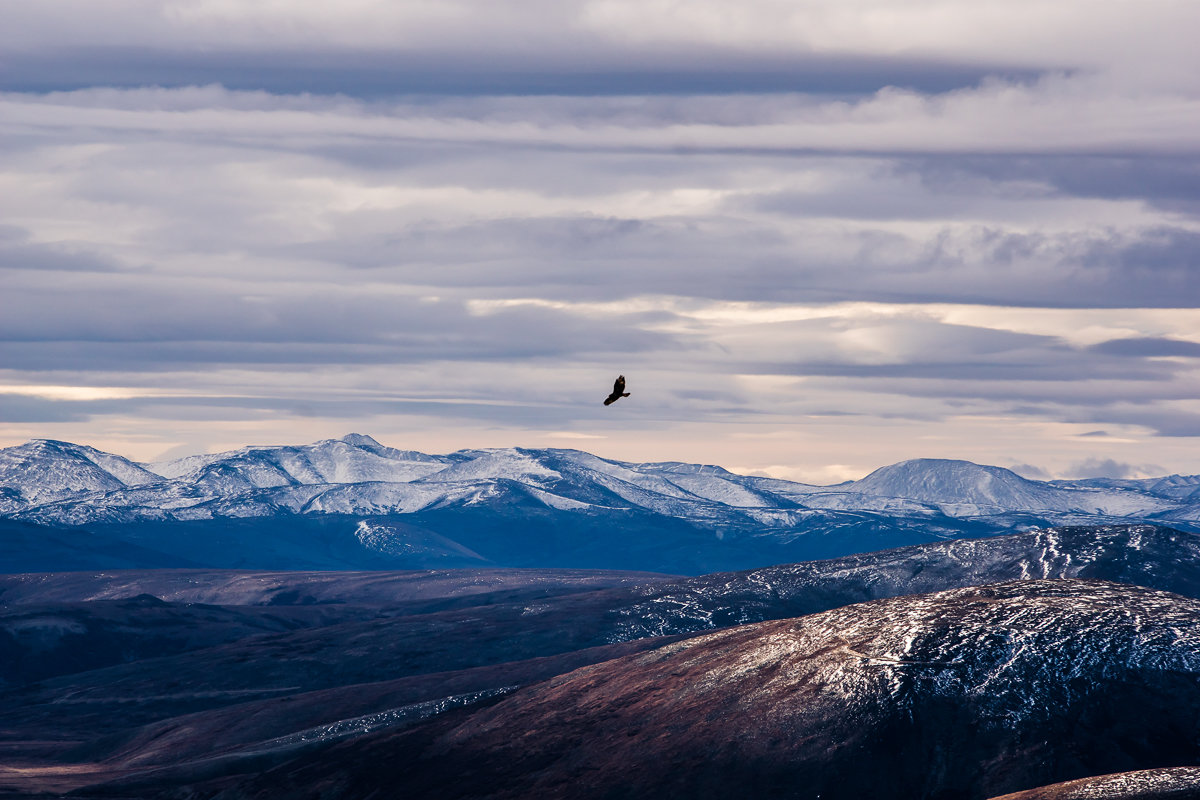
618	391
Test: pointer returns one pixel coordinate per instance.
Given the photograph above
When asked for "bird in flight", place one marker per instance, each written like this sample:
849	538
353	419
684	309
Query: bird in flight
618	391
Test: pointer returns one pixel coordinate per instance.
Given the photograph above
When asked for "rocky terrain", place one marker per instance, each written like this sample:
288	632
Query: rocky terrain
1170	783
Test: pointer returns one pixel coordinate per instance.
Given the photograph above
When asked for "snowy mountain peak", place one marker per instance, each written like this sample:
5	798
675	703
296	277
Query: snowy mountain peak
43	470
933	480
354	458
1180	486
513	463
360	440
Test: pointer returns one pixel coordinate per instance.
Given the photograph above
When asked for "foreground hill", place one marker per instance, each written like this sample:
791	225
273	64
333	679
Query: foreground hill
353	503
167	679
966	693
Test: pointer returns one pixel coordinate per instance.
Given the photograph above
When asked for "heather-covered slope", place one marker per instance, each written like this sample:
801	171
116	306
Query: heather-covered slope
966	693
294	663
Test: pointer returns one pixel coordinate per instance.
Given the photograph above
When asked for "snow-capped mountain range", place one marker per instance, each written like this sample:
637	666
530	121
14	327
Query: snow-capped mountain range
551	507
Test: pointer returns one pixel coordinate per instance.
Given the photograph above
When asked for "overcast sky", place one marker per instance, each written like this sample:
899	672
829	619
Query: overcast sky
817	236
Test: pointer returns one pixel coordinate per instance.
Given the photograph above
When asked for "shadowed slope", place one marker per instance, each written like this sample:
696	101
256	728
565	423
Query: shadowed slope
966	693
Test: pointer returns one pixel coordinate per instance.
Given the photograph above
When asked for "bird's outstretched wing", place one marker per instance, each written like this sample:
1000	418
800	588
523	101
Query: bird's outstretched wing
618	391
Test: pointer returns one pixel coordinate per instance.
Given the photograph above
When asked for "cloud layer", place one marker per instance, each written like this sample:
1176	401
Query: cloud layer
816	237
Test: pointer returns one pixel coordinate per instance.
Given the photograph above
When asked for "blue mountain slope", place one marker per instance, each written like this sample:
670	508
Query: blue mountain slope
354	503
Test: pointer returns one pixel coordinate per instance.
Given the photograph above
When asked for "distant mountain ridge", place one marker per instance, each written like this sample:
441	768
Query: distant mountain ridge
355	503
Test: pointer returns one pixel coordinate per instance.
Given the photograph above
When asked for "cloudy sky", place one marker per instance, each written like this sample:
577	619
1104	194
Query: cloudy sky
817	236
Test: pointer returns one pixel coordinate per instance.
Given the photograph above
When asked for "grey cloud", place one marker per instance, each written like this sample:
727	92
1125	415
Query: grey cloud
993	266
707	395
1110	407
564	254
1084	270
1030	471
1094	384
17	252
1045	370
157	328
529	413
887	188
1118	409
568	258
533	250
1164	257
537	404
860	205
1169	182
477	69
989	267
271	402
1163	421
1148	347
1109	468
16	408
943	367
722	258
